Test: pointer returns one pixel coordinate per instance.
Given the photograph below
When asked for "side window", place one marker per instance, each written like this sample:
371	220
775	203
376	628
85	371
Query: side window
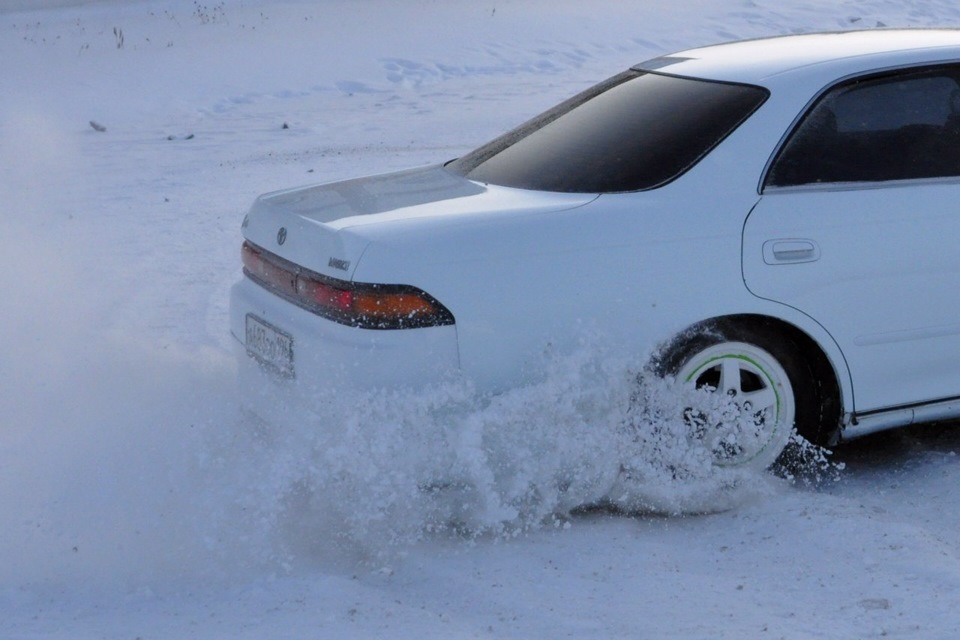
893	127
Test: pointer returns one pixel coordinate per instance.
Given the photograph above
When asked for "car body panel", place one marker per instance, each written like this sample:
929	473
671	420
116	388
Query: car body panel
328	354
555	276
885	257
804	63
558	276
323	225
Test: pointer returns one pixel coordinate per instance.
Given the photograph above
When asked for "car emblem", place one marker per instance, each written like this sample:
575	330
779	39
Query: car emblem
282	235
336	263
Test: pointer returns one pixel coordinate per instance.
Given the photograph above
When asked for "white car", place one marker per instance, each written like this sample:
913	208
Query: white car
776	219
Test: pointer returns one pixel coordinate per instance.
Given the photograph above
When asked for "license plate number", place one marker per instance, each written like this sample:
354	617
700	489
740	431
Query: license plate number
269	345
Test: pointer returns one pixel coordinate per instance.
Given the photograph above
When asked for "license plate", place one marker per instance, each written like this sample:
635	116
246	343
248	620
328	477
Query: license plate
271	346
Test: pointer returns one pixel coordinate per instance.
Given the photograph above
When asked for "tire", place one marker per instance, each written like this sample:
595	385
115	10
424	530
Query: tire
772	388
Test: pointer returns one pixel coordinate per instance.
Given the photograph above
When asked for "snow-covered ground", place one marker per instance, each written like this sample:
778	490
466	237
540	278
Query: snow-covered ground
136	501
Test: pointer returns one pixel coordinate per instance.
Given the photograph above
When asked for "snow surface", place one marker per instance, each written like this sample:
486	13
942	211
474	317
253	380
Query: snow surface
136	500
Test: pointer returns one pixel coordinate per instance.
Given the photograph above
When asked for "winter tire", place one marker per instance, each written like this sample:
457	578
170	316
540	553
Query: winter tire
770	388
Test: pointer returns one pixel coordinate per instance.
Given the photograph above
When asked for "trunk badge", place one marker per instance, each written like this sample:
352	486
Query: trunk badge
336	263
282	235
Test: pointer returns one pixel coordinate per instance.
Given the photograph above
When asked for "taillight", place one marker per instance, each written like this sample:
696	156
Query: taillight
269	272
369	306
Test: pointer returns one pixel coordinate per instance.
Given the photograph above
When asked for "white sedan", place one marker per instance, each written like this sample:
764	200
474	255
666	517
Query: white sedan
774	219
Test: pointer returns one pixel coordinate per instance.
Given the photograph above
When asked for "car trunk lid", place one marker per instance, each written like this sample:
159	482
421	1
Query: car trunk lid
320	227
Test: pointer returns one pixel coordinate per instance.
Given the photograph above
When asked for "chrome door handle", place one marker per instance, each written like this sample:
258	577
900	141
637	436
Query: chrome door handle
790	251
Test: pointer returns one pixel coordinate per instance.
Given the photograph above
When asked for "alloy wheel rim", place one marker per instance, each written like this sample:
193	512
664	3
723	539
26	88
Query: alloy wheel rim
751	419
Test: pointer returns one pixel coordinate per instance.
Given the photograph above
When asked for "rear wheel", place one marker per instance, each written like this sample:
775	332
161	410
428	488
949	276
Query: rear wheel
767	390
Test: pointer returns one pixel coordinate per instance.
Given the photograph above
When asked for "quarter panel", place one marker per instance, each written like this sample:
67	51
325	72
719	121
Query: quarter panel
629	269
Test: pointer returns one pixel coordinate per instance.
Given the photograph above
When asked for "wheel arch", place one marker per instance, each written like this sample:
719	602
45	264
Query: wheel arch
826	374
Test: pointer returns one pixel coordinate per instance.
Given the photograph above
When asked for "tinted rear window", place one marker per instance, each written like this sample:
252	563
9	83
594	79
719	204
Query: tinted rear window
636	131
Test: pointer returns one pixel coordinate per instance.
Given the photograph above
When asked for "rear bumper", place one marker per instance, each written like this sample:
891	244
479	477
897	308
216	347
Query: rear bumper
330	356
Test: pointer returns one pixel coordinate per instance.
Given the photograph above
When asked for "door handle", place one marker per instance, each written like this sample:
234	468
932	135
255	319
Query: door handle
790	251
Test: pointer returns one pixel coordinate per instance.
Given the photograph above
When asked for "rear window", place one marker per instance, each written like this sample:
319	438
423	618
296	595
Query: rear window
636	131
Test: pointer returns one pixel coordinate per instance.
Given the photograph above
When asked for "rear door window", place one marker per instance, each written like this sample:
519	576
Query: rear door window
898	126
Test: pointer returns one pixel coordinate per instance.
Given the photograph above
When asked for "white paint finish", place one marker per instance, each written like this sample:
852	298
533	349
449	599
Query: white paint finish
327	354
631	268
337	220
526	273
817	58
884	285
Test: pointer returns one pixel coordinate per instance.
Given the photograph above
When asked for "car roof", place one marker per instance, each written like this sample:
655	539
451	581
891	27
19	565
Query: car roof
817	58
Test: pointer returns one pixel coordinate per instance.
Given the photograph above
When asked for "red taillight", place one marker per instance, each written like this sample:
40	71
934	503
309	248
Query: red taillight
268	272
325	295
370	306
